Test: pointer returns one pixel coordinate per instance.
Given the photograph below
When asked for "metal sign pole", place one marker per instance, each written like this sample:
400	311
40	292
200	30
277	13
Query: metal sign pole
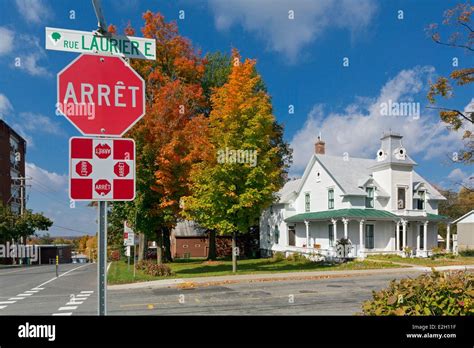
102	262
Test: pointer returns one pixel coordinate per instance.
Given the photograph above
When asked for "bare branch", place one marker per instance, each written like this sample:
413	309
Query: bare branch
451	45
457	111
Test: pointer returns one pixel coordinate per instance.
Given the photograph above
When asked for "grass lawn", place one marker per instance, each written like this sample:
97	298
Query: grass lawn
439	261
119	272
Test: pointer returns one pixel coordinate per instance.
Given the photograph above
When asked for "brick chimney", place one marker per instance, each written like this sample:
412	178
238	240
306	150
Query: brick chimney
319	146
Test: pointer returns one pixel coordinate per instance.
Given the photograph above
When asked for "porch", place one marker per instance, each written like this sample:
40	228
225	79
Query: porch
370	231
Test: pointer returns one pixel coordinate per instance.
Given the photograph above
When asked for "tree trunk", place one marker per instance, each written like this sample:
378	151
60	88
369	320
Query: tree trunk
141	246
159	246
167	257
234	255
212	245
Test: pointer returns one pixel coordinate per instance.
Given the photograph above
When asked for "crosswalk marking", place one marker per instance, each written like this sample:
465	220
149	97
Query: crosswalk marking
32	291
1	307
86	292
24	295
7	302
16	298
63	313
67	308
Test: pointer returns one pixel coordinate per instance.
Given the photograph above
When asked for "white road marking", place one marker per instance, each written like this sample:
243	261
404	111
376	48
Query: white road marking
38	289
74	303
63	313
7	302
32	291
22	295
61	275
67	308
1	307
87	292
16	298
83	295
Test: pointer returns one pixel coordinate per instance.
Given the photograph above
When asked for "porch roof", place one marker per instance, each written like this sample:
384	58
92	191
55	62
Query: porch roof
373	214
343	213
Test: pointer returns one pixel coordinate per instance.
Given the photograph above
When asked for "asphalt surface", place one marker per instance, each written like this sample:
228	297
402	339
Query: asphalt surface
37	291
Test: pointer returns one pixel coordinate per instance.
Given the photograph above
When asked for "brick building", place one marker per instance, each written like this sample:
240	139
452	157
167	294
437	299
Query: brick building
12	165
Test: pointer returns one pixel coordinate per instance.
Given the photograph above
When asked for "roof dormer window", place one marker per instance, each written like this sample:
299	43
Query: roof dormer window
318	176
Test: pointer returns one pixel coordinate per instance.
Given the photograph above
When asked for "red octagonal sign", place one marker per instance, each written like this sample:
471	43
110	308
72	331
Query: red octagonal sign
121	169
102	187
84	168
103	151
101	95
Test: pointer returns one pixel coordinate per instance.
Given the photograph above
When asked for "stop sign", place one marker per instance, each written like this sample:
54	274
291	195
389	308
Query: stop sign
101	95
103	151
102	187
84	168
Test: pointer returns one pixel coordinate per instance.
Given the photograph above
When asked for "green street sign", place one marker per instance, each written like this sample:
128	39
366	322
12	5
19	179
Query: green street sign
94	43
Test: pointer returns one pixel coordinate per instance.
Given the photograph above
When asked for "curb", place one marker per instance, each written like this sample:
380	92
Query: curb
166	283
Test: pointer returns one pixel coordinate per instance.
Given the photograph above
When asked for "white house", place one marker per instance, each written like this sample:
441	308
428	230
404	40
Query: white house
381	205
465	231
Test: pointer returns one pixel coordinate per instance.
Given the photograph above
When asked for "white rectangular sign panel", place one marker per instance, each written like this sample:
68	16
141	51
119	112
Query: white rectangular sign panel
93	43
129	235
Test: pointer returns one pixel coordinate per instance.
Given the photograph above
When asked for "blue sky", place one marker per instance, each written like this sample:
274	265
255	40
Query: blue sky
301	61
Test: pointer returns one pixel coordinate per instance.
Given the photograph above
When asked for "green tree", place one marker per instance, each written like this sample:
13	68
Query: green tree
14	226
229	193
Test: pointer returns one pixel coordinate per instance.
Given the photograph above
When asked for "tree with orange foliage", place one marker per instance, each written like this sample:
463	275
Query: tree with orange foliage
248	159
173	134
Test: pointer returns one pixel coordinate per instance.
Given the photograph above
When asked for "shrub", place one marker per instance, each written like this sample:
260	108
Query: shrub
278	256
297	257
437	293
467	252
152	268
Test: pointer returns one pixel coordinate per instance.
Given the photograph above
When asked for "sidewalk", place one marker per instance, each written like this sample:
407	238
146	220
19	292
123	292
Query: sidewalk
164	283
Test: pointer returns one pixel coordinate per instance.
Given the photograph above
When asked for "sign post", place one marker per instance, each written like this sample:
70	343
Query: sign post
101	95
102	262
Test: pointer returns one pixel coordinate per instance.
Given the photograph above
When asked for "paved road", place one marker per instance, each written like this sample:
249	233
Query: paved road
36	291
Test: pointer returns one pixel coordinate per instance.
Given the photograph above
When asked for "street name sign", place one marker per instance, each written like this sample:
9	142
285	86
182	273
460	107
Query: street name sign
100	96
101	169
94	43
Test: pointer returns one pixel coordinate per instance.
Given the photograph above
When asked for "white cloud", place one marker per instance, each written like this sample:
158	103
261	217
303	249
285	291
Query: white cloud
35	11
269	20
458	177
39	123
357	129
49	194
5	106
6	40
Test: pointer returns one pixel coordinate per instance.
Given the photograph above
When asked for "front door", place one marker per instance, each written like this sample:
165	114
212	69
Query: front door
369	236
291	236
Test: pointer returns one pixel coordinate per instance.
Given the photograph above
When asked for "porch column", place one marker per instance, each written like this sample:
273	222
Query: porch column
425	235
448	237
334	222
417	237
307	233
397	235
345	222
361	235
404	227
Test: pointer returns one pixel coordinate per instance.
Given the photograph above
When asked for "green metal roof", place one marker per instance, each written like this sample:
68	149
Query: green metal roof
359	213
341	213
435	217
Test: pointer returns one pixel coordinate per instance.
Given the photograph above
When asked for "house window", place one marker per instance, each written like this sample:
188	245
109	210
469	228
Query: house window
277	234
369	236
307	202
268	233
331	234
331	199
401	198
369	200
421	201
